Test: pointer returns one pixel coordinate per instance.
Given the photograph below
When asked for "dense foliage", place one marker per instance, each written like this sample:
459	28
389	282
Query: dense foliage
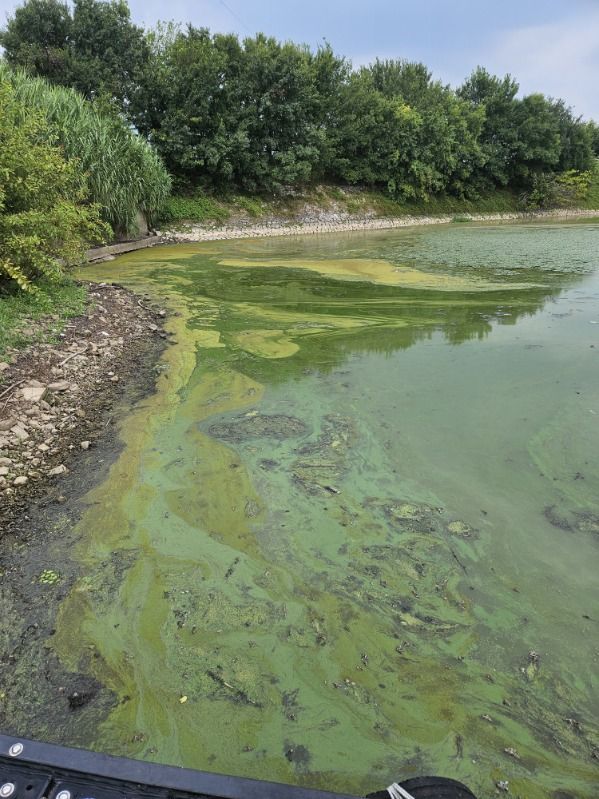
45	223
94	48
124	174
257	114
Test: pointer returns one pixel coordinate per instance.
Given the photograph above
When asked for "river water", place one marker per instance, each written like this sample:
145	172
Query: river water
353	536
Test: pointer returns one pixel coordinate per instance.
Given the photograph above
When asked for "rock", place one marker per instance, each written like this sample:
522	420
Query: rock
33	393
6	424
5	462
59	386
85	444
62	469
3	471
43	447
4	366
20	481
19	432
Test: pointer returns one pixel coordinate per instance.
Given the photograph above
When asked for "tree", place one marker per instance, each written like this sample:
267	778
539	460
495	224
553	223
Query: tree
96	49
37	38
443	150
237	115
593	133
496	97
109	52
374	138
576	140
538	146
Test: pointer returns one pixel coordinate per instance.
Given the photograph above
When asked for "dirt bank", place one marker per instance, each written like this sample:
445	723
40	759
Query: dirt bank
59	406
314	221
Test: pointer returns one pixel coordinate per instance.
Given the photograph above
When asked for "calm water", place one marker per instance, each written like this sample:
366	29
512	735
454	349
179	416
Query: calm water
354	534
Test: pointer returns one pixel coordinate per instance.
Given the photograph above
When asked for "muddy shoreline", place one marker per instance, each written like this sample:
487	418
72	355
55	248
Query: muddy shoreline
65	401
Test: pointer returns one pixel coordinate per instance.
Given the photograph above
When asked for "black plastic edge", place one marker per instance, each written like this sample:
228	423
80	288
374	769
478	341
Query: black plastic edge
110	767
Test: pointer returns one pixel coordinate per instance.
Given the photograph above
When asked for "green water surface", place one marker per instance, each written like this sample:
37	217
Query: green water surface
353	536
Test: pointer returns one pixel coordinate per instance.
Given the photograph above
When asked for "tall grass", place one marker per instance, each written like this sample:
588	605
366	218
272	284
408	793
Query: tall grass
124	174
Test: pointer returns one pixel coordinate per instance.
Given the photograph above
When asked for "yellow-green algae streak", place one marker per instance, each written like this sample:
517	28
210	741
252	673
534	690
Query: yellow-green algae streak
353	535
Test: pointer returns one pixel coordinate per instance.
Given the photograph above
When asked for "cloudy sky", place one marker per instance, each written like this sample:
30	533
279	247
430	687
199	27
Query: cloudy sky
548	45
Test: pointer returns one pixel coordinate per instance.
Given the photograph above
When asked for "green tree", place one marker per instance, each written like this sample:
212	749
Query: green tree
109	52
95	49
237	115
593	133
538	146
576	140
37	38
374	138
443	149
496	97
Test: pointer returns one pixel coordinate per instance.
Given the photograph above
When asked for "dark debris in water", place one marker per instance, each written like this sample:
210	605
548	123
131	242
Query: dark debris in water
323	463
582	521
257	425
297	754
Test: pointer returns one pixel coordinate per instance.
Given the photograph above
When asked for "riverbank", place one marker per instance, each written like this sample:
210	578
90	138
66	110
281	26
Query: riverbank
53	392
313	221
60	400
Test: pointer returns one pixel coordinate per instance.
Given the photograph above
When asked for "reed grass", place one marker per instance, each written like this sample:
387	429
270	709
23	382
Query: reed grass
124	174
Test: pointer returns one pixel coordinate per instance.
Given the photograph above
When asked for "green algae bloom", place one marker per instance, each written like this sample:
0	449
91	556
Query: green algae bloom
356	522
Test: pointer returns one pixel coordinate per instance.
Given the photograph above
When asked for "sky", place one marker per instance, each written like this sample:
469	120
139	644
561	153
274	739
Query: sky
551	46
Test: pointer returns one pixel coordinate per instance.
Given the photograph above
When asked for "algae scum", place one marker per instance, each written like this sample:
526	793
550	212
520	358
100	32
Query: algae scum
353	535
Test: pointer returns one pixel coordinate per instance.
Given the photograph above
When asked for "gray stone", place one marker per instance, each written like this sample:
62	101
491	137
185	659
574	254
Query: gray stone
62	469
59	385
33	393
19	432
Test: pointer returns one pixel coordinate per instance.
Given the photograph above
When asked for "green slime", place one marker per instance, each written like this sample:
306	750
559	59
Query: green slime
355	528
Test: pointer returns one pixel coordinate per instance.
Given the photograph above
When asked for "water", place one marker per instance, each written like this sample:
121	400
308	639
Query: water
353	535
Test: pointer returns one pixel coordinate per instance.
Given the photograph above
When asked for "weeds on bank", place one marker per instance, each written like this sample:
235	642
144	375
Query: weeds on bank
20	311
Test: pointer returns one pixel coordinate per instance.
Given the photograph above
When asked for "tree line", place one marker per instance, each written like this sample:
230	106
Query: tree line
257	114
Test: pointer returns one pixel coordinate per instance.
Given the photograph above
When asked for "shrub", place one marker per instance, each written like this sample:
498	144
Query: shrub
564	190
124	174
251	205
197	208
45	224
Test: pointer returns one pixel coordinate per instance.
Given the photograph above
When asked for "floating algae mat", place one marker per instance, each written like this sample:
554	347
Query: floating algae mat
358	521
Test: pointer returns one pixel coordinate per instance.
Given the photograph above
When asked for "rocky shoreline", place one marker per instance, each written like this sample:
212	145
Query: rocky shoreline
51	392
314	221
60	406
